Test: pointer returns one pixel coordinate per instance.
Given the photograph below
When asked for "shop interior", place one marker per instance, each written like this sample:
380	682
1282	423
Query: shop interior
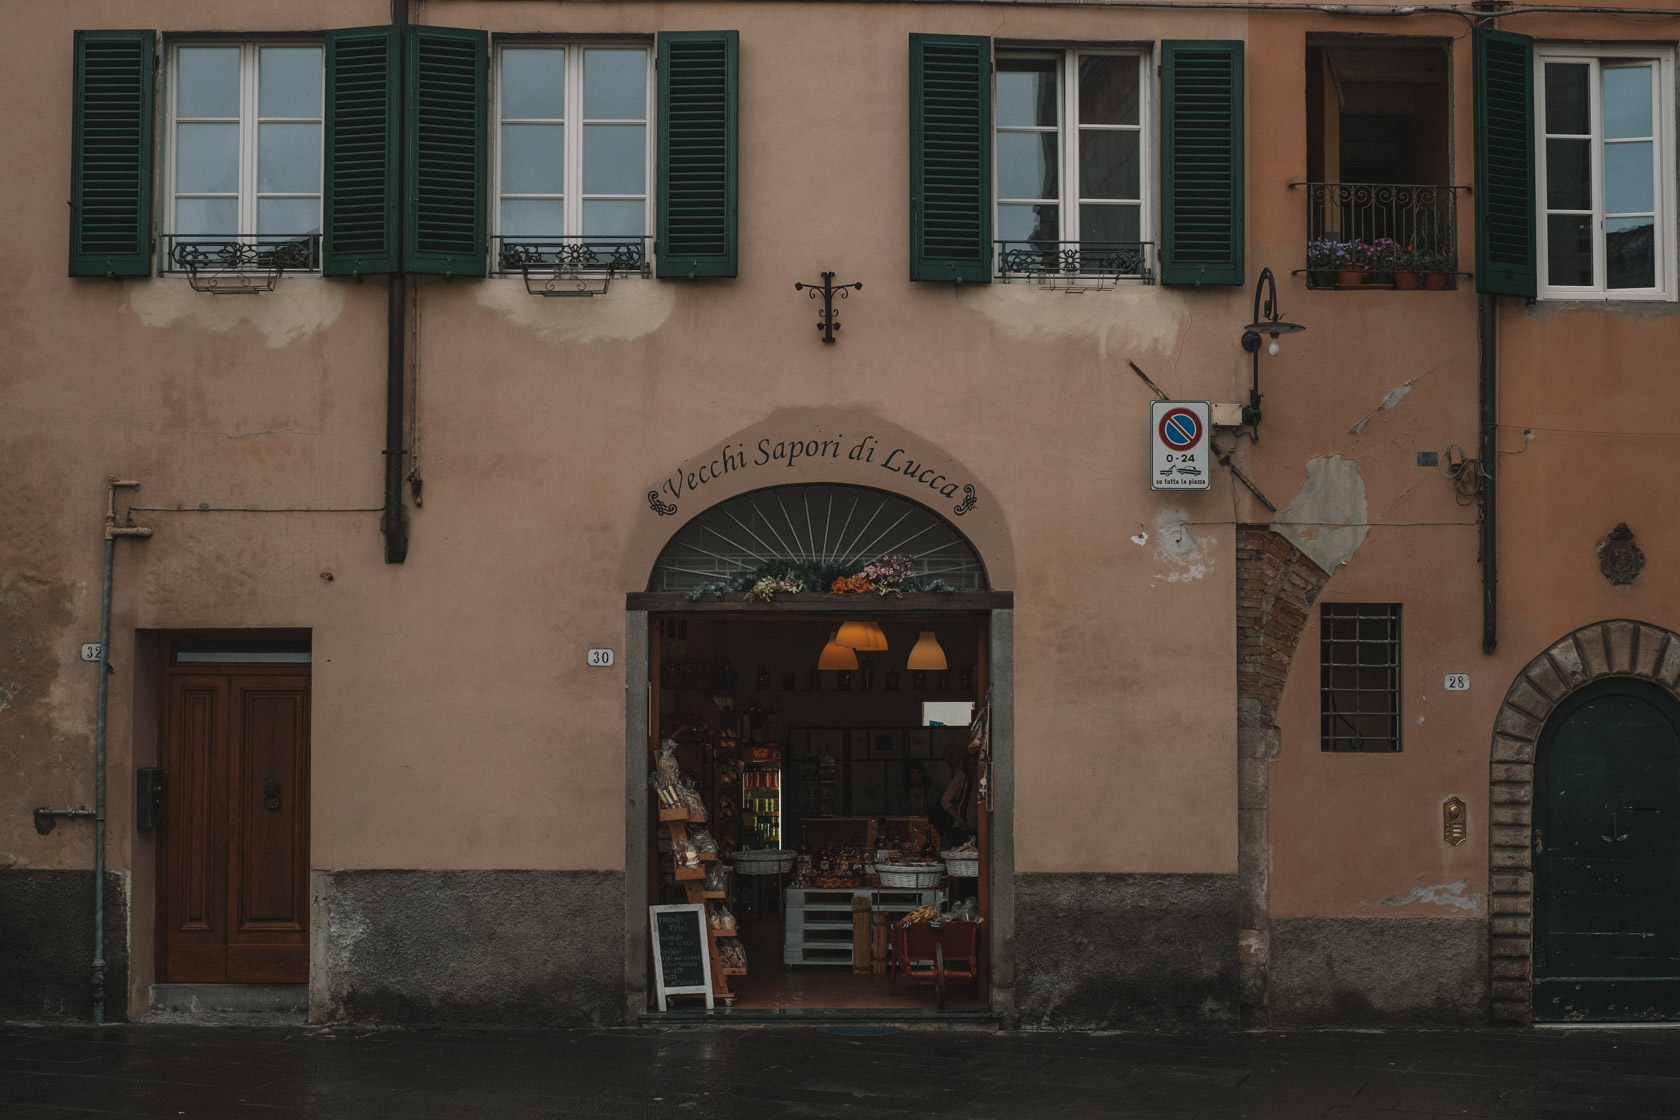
801	767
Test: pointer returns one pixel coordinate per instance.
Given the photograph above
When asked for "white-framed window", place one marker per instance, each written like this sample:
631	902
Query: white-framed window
573	140
245	137
1071	147
1605	132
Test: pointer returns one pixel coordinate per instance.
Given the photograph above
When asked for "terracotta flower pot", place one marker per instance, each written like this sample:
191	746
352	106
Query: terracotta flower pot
1405	280
1350	278
1435	281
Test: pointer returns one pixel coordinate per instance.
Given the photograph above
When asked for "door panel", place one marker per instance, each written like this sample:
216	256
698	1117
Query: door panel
236	857
1607	858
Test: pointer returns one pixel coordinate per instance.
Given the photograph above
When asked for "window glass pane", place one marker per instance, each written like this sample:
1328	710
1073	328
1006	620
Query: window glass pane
217	217
615	85
614	159
206	158
528	217
289	158
1026	91
533	83
1108	164
1108	89
605	217
1569	249
289	82
1566	98
1018	222
1628	178
1627	101
1630	253
1109	223
1026	165
207	82
283	217
533	158
1568	177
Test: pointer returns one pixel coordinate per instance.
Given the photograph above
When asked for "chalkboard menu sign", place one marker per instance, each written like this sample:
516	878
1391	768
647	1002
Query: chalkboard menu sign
682	959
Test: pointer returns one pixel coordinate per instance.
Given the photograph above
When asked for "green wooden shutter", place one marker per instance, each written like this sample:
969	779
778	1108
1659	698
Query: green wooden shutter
951	158
111	154
1506	253
364	80
1201	162
698	153
448	102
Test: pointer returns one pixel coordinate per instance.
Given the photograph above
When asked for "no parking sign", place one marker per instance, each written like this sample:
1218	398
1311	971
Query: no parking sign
1179	439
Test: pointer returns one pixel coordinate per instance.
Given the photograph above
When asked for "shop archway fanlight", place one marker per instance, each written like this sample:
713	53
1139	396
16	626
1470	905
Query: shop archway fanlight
867	636
927	653
836	656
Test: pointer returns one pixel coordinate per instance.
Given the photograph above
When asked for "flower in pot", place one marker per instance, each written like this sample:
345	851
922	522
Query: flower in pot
1437	269
1385	259
1324	260
1406	269
1355	257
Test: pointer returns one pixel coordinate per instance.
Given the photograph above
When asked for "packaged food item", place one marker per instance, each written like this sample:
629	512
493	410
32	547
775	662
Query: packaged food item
732	953
722	921
702	840
717	878
687	854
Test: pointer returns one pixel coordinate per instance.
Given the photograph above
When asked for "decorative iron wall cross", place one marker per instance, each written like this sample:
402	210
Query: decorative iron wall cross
828	322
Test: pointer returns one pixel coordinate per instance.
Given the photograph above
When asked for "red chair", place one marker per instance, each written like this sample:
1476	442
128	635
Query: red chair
924	951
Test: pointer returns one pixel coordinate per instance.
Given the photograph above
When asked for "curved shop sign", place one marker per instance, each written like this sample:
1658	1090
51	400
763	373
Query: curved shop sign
860	457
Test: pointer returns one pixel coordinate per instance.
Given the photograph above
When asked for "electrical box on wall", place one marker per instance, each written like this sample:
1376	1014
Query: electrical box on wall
149	789
1226	415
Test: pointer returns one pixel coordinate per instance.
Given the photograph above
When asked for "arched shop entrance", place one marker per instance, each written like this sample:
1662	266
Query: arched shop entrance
738	681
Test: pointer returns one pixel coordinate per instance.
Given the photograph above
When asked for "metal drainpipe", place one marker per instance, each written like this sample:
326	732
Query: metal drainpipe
112	532
1487	463
394	523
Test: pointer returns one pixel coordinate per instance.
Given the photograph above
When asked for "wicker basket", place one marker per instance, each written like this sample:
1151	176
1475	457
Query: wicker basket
910	875
764	861
962	865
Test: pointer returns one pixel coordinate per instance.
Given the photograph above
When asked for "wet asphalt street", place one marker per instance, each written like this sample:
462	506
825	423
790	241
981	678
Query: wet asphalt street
840	1071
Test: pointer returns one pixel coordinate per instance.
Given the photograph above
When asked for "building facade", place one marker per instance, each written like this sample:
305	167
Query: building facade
430	341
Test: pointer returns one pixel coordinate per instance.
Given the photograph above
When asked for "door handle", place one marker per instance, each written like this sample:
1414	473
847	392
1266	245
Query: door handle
271	796
1616	834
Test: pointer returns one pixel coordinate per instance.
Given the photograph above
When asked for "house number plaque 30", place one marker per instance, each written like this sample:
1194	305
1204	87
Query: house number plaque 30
600	658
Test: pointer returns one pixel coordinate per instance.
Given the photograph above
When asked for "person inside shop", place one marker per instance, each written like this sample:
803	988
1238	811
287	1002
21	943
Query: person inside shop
960	812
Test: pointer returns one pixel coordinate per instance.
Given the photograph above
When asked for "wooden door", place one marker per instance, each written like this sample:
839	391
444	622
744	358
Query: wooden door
1607	857
233	885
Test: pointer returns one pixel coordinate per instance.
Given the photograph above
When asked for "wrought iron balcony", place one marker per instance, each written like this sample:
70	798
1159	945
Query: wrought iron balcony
238	265
571	266
1076	266
1381	228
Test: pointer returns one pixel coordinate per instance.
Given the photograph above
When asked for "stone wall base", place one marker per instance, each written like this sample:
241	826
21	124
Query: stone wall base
1379	972
1157	952
509	948
46	945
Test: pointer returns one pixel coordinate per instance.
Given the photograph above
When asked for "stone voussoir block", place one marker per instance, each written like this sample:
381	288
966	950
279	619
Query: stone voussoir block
1566	660
1648	642
1510	1012
1507	748
1509	991
1668	667
1512	968
1595	653
1511	835
1512	882
1512	814
1545	679
1618	645
1511	793
1515	925
1511	858
1511	772
1516	723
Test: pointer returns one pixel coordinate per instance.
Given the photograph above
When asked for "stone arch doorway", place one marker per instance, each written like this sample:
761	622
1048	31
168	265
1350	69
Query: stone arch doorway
1620	648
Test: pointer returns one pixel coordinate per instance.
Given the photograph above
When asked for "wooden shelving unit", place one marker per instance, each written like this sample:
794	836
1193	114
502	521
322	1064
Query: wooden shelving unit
692	880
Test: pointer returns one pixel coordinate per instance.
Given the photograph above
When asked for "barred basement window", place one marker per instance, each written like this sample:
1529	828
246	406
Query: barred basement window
1359	676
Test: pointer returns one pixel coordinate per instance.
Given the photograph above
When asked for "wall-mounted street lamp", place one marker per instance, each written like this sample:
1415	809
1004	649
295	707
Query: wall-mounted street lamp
1268	320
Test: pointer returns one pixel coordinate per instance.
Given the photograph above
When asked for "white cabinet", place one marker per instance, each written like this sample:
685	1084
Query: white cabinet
817	923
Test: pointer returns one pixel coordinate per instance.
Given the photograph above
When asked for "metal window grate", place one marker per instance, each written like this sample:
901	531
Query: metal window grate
1359	676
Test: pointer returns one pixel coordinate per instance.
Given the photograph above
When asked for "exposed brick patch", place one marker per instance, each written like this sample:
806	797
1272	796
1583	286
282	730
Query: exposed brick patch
1605	649
1277	585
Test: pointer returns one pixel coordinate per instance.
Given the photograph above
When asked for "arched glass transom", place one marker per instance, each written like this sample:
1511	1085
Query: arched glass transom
824	525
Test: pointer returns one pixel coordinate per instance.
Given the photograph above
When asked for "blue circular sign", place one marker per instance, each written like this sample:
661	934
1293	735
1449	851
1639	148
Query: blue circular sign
1181	429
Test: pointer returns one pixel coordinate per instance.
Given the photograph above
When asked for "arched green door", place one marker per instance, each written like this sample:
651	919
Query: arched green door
1607	856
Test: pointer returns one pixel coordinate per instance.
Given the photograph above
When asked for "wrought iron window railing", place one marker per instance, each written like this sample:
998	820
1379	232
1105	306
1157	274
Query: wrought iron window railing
1381	228
1076	265
238	265
568	266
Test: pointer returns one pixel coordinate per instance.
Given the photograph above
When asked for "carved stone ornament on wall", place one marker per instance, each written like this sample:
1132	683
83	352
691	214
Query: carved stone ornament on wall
1618	557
